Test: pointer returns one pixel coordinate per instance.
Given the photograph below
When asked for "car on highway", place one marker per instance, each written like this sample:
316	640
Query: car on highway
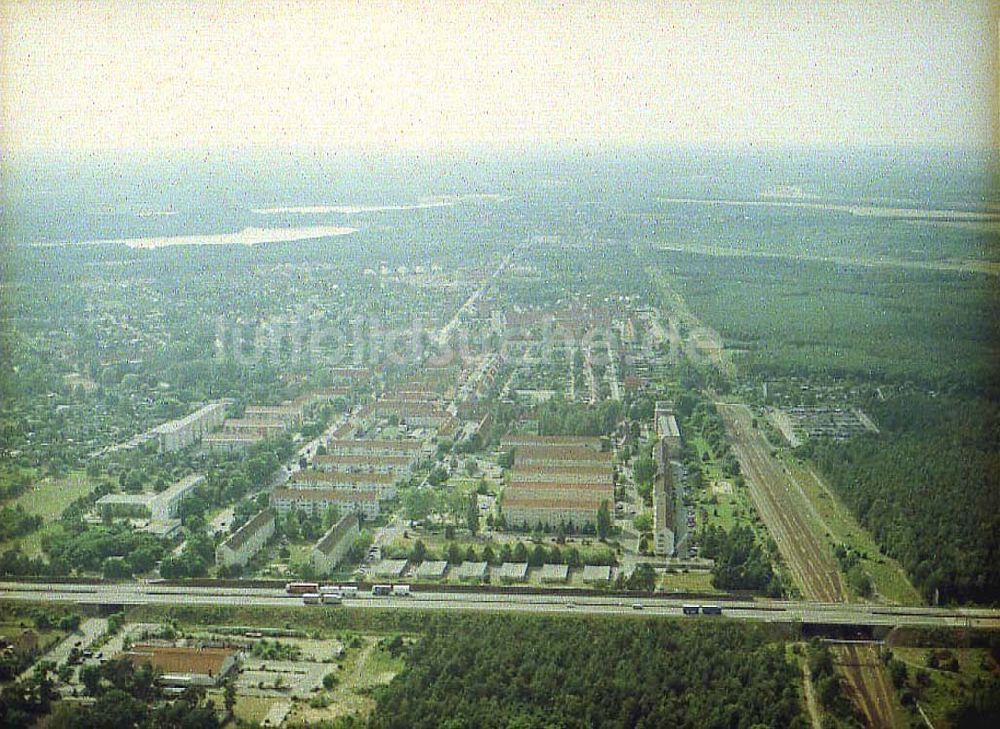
637	606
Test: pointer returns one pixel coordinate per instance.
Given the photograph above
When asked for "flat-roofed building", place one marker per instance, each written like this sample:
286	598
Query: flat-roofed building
184	666
330	550
126	504
177	434
594	573
165	503
663	498
393	568
553	573
318	501
158	507
512	572
666	425
382	484
472	571
431	570
240	546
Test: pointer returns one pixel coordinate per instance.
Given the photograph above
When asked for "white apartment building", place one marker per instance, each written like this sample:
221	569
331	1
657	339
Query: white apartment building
177	434
331	548
317	501
246	541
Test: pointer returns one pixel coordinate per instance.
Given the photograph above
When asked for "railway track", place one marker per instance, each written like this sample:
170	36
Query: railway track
785	510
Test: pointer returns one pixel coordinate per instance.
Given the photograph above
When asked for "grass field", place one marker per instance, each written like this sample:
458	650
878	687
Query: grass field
48	498
361	670
687	582
891	583
723	507
944	689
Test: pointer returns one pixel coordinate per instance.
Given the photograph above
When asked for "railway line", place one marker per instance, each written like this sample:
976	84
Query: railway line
785	511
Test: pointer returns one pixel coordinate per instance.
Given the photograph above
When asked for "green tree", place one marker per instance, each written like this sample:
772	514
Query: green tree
472	515
603	521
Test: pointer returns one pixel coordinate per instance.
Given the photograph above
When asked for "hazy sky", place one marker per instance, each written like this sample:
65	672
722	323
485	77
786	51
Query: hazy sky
421	75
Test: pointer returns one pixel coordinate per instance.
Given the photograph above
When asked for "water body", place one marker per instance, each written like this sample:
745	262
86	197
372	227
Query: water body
246	237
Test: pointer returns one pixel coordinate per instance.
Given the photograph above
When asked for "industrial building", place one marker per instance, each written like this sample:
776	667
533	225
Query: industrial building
594	573
472	571
240	547
553	573
390	568
330	550
182	667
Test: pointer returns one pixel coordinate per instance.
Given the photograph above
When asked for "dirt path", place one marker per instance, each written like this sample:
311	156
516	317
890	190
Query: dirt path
815	718
785	510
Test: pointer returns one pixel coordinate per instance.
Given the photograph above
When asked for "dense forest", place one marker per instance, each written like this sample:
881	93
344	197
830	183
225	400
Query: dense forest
928	488
503	671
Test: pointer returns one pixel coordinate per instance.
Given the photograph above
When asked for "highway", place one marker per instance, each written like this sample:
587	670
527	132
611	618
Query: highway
776	611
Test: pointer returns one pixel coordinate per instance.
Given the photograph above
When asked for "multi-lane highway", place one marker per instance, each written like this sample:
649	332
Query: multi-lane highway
134	593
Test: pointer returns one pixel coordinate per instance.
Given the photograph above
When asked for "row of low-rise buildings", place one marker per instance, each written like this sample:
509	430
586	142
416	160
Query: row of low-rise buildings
556	481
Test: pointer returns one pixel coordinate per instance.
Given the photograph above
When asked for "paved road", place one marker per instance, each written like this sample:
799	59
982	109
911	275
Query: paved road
89	631
768	611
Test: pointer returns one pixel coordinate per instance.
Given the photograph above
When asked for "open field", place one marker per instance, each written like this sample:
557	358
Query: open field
48	498
944	688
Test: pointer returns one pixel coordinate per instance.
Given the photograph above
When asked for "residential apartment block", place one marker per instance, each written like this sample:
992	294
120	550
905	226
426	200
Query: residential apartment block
317	501
246	541
331	548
